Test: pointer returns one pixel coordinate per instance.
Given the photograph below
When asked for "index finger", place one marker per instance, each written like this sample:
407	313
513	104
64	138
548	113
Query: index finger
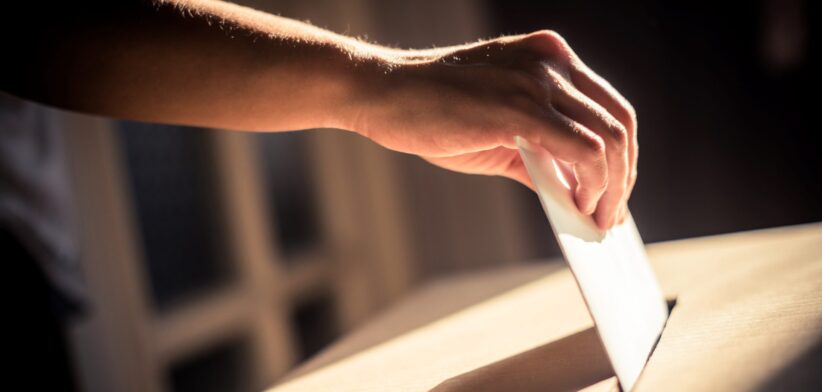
573	143
598	89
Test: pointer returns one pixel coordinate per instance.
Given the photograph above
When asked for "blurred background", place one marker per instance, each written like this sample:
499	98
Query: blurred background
218	261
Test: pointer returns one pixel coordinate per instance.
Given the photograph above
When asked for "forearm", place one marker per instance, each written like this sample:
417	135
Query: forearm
214	64
199	63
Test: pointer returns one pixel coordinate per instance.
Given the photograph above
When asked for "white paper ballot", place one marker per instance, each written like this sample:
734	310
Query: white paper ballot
611	269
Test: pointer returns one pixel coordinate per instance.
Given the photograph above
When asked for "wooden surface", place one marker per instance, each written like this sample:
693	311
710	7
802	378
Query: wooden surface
748	316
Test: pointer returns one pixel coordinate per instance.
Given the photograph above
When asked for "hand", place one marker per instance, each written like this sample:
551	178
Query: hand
460	108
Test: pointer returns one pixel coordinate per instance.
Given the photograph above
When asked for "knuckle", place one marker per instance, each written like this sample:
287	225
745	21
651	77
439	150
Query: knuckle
552	37
629	116
631	110
632	177
631	183
618	135
592	148
601	185
549	42
620	187
557	85
595	185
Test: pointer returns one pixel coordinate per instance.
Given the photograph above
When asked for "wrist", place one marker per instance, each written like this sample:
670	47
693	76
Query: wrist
375	77
364	73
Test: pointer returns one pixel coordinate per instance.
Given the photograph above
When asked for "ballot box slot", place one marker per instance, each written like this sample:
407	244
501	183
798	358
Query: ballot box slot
671	302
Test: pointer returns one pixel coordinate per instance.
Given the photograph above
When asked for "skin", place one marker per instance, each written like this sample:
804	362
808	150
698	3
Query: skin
214	64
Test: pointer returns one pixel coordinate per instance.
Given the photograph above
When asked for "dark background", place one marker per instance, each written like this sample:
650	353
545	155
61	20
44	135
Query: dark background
723	99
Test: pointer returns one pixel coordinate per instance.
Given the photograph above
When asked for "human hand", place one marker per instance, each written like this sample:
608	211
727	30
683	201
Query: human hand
460	108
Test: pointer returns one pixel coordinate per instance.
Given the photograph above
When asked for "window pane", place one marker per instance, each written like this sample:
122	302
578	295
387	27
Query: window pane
291	195
315	321
171	174
223	368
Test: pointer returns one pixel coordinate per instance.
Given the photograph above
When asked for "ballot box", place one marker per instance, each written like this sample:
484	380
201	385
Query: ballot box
746	315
